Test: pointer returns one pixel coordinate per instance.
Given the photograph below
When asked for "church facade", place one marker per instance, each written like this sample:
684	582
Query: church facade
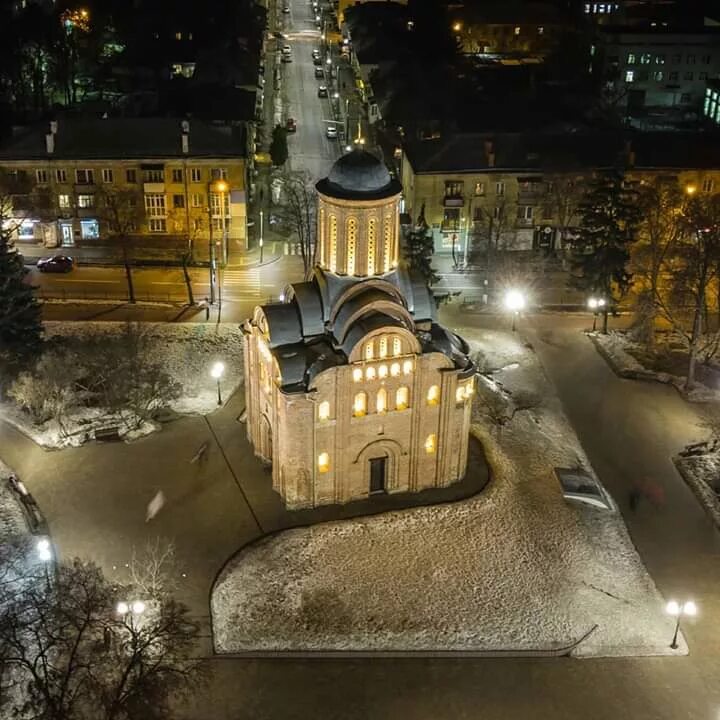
352	387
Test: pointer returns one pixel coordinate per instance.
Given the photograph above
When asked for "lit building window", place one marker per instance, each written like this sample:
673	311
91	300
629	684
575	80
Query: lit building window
370	373
323	462
372	232
430	443
351	240
360	404
402	398
382	371
387	249
369	354
407	367
383	347
517	30
357	374
397	346
333	243
433	395
395	369
324	410
629	75
381	402
460	394
470	389
322	236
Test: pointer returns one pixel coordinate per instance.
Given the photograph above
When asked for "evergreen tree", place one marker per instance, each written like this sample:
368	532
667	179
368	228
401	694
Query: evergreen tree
610	215
20	321
419	250
278	146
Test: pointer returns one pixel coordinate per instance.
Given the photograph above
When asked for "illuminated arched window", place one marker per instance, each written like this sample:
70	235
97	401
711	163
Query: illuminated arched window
372	241
433	395
381	401
460	394
407	367
333	243
370	373
382	371
322	236
369	353
402	398
360	404
395	369
351	243
397	346
430	443
324	410
357	374
387	244
323	462
383	347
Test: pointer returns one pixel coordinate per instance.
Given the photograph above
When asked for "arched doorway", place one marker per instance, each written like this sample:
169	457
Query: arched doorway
381	462
266	440
378	474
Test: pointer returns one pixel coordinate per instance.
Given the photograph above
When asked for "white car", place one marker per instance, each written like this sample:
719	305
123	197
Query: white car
316	54
286	50
331	132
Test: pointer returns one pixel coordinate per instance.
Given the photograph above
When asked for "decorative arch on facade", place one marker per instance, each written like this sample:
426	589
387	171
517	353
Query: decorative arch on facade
351	245
371	245
333	233
321	238
410	341
385	447
388	245
386	307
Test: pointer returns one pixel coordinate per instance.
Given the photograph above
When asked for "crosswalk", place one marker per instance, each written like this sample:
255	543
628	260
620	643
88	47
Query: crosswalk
244	283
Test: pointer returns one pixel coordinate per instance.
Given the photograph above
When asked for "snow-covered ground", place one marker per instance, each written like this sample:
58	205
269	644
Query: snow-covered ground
515	568
187	351
702	473
615	348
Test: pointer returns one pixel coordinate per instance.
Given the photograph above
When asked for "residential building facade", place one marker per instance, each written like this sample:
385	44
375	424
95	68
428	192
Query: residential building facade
521	191
159	182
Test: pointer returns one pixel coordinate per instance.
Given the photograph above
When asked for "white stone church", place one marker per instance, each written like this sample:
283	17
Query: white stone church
352	387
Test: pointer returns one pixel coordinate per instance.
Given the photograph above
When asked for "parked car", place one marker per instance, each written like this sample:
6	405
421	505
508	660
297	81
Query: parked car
291	125
319	73
316	54
322	91
286	50
286	9
331	132
317	61
56	263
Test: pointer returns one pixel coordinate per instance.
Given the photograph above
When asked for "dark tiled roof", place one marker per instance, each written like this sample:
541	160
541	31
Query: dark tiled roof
122	138
566	152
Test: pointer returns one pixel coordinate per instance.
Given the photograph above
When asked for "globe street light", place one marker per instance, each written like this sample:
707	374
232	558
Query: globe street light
677	610
515	302
217	371
595	304
45	555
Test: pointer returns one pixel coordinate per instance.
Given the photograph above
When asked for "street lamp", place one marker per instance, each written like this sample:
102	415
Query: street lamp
45	555
515	303
677	610
217	371
596	305
221	187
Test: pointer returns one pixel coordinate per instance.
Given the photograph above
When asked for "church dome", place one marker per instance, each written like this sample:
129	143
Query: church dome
360	172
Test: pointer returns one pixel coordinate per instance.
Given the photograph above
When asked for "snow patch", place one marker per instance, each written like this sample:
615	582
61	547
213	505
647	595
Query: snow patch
515	568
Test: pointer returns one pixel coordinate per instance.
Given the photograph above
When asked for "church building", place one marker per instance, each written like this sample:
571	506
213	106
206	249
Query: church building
352	387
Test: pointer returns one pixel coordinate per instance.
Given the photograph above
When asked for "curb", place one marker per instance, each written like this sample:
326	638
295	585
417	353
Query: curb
564	651
704	494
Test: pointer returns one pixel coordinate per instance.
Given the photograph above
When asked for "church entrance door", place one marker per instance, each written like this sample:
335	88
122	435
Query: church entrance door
378	474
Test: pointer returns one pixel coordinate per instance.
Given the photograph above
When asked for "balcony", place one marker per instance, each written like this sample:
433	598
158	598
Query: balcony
453	201
153	187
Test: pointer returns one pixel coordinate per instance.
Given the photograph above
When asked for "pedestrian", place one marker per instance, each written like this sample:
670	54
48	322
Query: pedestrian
155	505
634	497
261	194
653	492
207	310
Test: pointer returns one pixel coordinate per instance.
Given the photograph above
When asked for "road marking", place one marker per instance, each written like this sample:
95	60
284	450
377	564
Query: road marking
107	282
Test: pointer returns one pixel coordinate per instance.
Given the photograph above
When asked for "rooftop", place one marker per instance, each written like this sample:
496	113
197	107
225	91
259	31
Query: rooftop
122	138
358	175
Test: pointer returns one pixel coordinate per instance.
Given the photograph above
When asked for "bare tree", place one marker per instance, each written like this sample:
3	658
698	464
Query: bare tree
71	653
660	231
122	212
563	196
692	271
153	569
299	211
494	222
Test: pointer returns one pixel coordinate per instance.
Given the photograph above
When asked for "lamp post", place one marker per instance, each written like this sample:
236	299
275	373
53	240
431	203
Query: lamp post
595	304
261	237
130	610
678	610
45	555
514	302
217	371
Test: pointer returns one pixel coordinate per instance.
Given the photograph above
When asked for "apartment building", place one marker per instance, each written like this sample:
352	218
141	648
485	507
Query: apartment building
159	182
659	67
521	191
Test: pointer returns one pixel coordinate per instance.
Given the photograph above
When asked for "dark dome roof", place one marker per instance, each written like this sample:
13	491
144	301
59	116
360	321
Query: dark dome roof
359	172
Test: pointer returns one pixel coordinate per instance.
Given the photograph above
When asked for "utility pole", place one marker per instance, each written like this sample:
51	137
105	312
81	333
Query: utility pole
261	237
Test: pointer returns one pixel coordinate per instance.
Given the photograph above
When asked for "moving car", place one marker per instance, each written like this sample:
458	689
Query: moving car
286	50
319	72
286	9
331	132
291	125
316	54
56	263
317	61
322	91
